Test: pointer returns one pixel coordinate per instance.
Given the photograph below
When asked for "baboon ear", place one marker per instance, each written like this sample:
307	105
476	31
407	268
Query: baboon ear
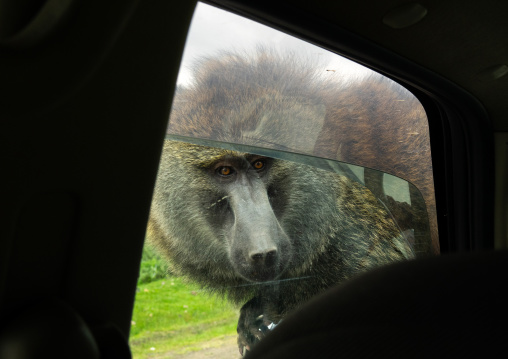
294	125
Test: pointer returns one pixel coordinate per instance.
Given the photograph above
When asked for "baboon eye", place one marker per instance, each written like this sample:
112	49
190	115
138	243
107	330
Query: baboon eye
258	164
225	171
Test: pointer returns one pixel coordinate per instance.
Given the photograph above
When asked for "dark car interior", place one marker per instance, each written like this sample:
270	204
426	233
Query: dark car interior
86	90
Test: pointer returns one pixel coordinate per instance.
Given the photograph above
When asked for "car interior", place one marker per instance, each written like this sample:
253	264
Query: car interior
86	93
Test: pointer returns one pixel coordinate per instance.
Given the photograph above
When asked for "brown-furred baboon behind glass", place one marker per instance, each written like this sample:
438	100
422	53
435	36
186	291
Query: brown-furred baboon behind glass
271	232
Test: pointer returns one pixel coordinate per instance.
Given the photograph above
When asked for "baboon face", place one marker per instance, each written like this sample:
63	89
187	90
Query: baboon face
244	211
258	245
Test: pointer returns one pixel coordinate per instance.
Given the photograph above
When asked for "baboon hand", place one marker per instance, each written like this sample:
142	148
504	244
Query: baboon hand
254	323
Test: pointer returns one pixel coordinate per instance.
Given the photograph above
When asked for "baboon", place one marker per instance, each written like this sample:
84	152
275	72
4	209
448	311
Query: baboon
266	232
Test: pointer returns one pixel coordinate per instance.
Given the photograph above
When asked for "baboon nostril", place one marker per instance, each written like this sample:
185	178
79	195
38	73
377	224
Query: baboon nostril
267	256
257	257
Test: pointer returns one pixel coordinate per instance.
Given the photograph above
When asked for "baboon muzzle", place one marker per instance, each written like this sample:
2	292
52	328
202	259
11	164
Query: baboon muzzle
259	245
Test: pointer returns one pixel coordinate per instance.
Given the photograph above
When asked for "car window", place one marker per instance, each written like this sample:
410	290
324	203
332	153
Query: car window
286	170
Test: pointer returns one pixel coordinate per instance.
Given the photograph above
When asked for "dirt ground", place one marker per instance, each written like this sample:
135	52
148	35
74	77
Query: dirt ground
222	348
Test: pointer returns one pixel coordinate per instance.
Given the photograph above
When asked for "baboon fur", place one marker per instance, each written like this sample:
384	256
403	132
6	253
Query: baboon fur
329	227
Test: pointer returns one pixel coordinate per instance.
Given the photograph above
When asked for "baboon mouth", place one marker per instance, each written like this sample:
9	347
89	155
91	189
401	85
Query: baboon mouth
261	277
261	274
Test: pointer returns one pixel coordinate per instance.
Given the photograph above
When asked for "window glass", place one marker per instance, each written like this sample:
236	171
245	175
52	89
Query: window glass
286	170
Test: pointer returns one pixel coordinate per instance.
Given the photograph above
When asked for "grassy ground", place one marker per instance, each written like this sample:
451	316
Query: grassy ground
171	315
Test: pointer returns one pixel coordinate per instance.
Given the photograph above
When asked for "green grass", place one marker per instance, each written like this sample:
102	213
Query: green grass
153	267
171	315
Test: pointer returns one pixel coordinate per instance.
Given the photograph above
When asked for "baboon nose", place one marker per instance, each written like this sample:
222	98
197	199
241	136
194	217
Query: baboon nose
268	257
